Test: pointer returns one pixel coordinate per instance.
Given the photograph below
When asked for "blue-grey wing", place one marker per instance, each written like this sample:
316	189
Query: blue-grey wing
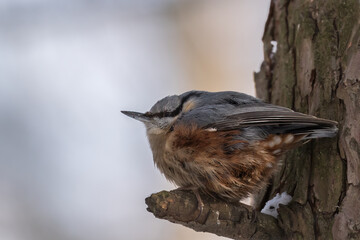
256	119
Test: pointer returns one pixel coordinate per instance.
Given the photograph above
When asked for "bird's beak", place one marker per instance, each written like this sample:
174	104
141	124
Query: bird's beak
138	116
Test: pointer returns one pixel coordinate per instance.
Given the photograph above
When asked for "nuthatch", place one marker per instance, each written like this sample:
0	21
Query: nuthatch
224	144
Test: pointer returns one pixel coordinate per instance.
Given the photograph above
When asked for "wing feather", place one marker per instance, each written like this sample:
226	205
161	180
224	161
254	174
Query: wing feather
260	118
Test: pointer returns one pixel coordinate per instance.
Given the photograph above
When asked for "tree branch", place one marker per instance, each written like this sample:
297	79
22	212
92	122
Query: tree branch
237	221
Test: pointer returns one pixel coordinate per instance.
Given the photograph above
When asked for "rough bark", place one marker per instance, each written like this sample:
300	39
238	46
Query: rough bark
237	221
315	70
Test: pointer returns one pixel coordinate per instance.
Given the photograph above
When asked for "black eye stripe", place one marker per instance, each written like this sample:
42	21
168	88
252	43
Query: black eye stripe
176	111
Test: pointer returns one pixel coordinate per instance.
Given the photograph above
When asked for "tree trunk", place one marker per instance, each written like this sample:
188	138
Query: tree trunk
316	70
312	65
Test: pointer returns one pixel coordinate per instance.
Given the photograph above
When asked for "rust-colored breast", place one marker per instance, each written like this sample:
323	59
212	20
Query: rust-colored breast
219	163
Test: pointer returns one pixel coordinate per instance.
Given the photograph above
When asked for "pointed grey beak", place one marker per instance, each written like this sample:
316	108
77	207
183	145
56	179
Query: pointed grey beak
136	115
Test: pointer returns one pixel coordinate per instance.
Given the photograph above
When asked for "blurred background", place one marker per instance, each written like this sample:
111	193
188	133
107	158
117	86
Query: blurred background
72	167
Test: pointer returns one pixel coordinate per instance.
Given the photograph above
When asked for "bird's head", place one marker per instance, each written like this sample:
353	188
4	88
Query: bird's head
161	116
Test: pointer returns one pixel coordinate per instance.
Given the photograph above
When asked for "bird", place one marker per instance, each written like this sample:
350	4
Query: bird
224	144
